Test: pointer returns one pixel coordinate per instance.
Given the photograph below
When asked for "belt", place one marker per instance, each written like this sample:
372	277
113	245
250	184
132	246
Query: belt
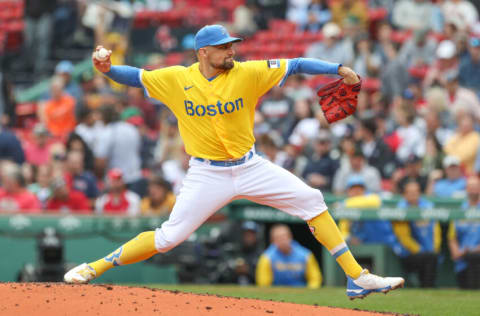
227	163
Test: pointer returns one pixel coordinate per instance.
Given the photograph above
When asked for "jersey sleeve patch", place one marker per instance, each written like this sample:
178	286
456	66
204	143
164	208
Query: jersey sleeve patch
273	63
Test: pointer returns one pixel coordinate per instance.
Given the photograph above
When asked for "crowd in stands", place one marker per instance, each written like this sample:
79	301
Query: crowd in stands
93	146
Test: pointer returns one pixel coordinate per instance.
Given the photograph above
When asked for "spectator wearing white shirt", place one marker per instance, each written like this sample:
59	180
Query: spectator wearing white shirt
460	11
118	146
357	166
89	127
118	200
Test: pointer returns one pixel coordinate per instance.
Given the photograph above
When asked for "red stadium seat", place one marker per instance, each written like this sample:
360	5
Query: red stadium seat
371	84
26	108
282	26
174	59
400	36
377	14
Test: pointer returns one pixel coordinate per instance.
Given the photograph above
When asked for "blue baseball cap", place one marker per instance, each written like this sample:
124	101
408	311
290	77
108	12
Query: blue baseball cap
65	66
211	35
355	180
475	41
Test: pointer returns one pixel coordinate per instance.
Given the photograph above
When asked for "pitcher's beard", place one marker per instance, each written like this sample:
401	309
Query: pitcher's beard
226	65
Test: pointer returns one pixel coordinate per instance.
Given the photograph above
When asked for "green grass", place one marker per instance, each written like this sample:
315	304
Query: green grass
449	302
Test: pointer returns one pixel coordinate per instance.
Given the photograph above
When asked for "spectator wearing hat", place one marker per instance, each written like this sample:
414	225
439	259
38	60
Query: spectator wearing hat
377	153
464	240
246	255
65	200
64	69
332	47
118	200
287	263
464	143
10	147
160	199
357	166
420	240
452	185
37	151
58	113
14	197
411	172
446	60
469	73
365	232
321	167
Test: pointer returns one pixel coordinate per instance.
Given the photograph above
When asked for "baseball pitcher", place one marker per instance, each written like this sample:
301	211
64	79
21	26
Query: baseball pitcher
214	101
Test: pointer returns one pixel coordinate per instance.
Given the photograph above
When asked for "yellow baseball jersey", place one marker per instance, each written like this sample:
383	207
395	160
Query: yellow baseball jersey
215	117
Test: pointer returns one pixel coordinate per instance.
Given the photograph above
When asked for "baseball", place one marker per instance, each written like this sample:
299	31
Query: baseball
101	54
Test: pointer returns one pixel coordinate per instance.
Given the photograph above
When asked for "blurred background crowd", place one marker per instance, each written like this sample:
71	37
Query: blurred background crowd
73	141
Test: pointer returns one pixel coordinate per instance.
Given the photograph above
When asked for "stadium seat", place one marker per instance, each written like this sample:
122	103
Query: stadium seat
174	59
282	26
401	36
371	84
377	14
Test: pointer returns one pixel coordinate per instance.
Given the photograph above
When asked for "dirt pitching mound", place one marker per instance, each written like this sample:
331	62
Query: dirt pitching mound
52	299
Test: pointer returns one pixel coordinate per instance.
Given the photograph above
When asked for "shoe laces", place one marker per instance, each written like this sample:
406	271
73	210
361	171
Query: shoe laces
86	272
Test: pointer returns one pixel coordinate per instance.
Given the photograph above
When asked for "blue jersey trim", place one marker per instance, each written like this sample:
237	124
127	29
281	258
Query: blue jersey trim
210	79
126	75
340	252
309	66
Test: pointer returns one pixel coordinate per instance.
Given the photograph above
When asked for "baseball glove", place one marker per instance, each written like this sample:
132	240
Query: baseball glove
339	100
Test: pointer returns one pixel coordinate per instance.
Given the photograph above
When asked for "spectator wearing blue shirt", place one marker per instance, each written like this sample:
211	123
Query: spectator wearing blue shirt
321	167
454	183
10	147
420	240
469	73
318	13
81	180
464	240
366	231
286	263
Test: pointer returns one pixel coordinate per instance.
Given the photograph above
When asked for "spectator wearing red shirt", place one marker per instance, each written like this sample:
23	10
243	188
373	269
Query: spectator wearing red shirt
118	200
14	197
64	200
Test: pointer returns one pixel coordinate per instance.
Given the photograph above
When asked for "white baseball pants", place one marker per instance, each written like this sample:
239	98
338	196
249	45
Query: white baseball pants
208	188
